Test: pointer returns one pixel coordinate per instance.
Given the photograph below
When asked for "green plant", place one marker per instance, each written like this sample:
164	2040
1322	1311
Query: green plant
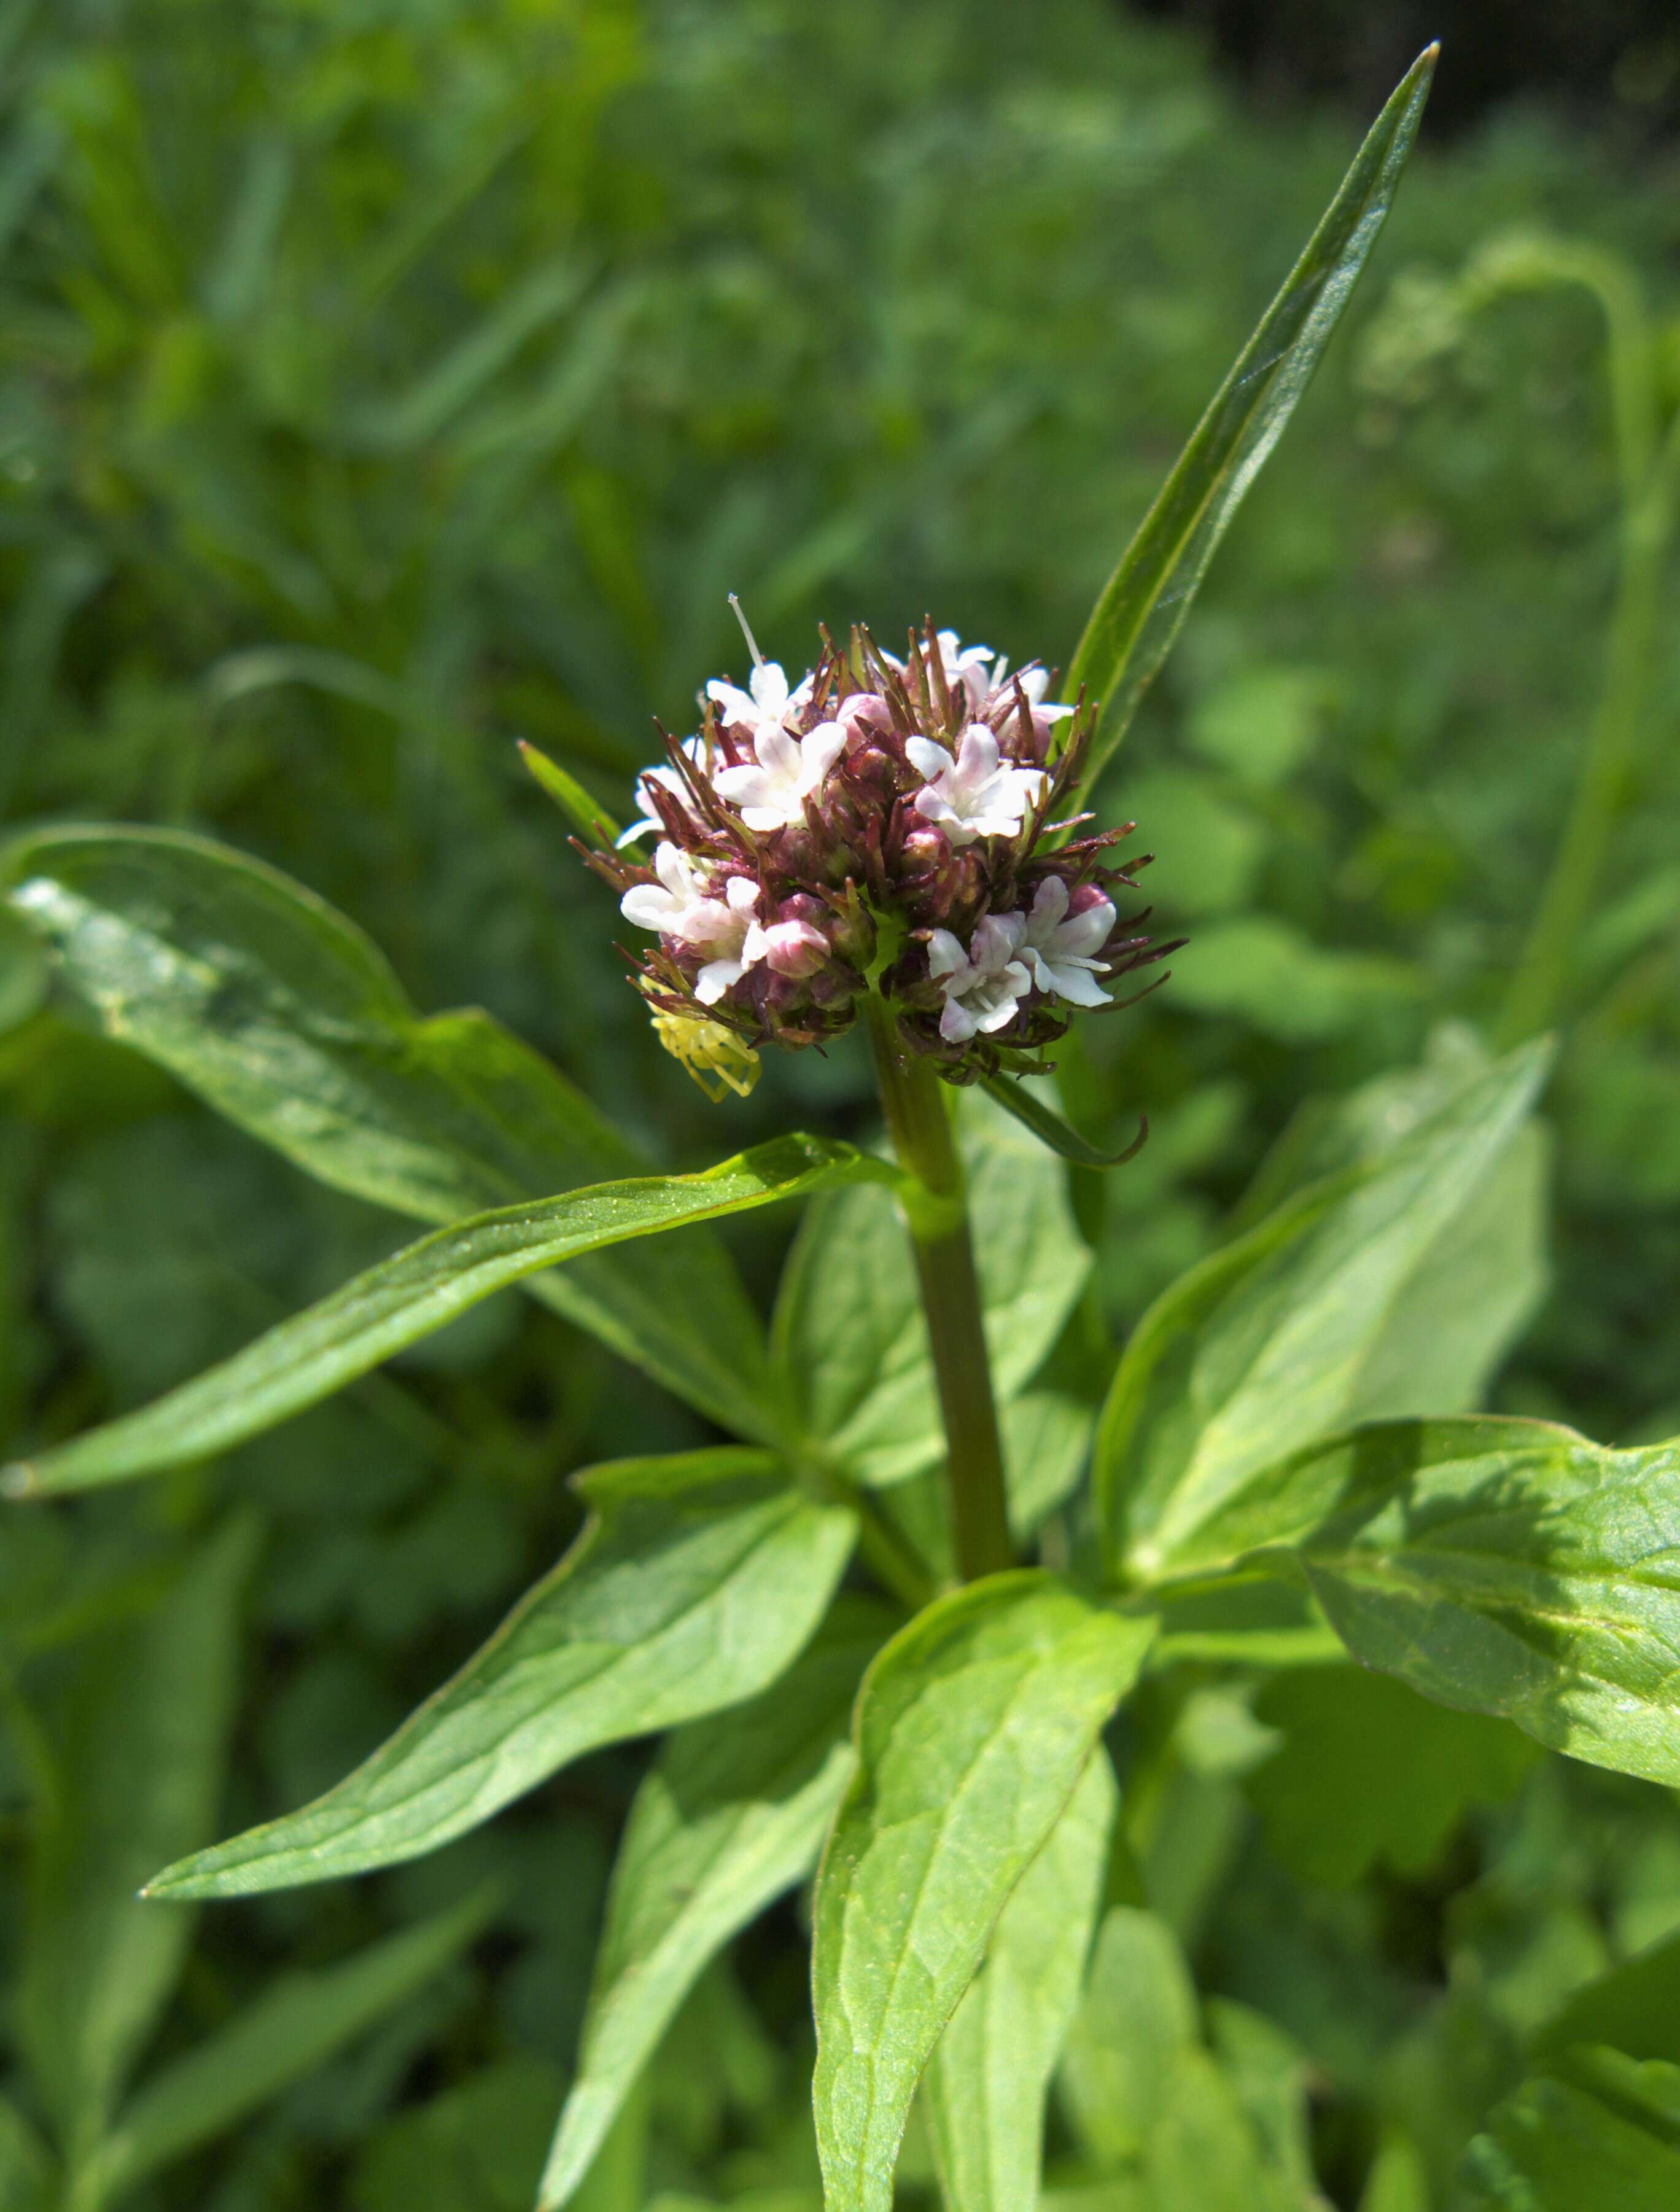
1236	1516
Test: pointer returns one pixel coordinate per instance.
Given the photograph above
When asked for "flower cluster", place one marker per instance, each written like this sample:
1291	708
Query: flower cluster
882	825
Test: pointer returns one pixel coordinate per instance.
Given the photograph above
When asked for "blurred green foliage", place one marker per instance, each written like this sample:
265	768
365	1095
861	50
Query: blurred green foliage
384	380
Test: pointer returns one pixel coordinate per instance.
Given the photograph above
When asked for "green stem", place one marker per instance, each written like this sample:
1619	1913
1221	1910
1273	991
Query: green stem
937	1212
1540	982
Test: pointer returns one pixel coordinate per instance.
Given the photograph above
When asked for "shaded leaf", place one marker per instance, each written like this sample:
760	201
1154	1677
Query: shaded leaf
145	1735
1556	2147
1143	607
1501	1566
1265	1345
1370	1772
733	1813
1051	1130
300	2020
1135	2020
696	1583
850	1333
284	1017
985	2085
418	1290
972	1727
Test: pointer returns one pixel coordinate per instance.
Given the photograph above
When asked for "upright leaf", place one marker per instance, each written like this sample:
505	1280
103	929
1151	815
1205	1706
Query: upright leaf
972	1729
145	1735
733	1813
985	2085
1144	605
1267	1343
697	1581
1563	2146
300	2021
850	1334
418	1291
1503	1566
1136	2021
280	1013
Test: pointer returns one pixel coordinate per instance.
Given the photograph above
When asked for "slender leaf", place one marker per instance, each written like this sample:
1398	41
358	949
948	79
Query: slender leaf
288	1022
1502	1566
696	1582
1266	1345
733	1813
972	1729
145	1733
1556	2146
1143	607
1051	1130
300	2021
1137	2018
28	2175
586	816
420	1290
986	2087
850	1333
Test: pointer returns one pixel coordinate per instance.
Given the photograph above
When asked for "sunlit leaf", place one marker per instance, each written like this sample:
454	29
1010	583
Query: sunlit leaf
1144	605
288	1021
1268	1343
971	1730
420	1290
698	1580
985	2085
733	1813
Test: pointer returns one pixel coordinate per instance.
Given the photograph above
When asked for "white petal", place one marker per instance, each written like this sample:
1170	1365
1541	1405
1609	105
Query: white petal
928	759
1087	934
737	706
823	747
945	955
1049	903
957	1024
977	762
742	894
994	941
715	978
1077	984
770	690
935	808
647	905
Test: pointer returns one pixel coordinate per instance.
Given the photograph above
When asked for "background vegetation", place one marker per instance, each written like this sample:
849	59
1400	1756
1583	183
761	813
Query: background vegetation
381	380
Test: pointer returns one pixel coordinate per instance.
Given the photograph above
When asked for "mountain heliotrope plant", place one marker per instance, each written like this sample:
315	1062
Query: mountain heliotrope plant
889	1621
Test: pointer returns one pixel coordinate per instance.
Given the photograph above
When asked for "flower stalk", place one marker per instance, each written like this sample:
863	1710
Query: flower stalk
937	1213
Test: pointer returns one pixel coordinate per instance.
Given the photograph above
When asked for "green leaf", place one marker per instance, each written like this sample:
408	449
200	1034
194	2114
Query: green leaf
1501	1566
1477	1286
1144	605
1556	2147
476	2148
850	1334
985	2085
422	1289
1369	1771
733	1813
1268	1343
288	1022
144	1732
300	2021
972	1727
1135	2020
591	821
696	1582
1636	2006
27	2174
1051	1130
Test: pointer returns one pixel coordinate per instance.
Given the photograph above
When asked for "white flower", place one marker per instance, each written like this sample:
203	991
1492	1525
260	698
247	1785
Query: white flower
668	779
1060	952
965	668
984	984
972	796
790	770
681	906
1035	681
768	704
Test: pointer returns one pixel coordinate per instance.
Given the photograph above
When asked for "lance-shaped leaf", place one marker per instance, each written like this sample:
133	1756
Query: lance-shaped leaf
850	1333
1503	1566
1051	1130
296	2024
418	1290
283	1016
144	1728
972	1729
986	2087
697	1581
733	1813
1268	1344
1144	605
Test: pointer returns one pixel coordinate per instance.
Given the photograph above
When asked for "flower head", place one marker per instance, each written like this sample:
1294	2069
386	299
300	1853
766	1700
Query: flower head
881	826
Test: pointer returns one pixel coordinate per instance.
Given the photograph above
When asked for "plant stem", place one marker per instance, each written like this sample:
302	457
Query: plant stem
937	1212
1648	472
